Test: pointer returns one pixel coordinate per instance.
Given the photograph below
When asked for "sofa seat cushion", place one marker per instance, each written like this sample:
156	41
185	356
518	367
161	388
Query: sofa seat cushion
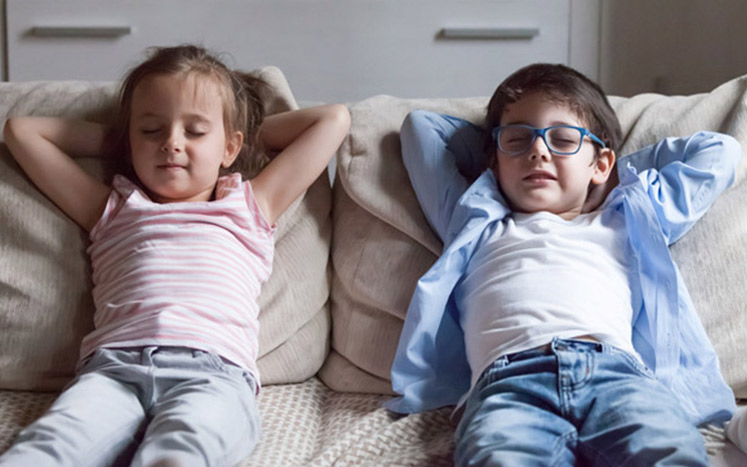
311	424
304	424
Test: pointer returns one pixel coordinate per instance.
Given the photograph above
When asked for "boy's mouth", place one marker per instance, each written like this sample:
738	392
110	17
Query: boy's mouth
540	175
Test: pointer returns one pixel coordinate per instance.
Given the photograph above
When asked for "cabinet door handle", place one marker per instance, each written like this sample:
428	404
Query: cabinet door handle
80	31
489	33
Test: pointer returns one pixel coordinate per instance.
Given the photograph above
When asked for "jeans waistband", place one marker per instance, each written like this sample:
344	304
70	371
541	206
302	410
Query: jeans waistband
557	344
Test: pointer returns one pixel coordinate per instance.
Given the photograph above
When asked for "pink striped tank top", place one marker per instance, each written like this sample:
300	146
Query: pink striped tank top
180	274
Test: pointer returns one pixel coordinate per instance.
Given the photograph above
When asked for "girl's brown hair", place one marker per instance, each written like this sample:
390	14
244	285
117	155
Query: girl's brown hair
562	84
241	93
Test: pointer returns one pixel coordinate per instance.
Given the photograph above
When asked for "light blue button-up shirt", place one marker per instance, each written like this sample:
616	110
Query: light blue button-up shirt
664	189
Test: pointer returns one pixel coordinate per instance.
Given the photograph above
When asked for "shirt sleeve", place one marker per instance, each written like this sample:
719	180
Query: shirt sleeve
434	148
684	176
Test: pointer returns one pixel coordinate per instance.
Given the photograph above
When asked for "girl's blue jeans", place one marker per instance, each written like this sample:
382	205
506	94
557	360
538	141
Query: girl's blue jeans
144	406
574	403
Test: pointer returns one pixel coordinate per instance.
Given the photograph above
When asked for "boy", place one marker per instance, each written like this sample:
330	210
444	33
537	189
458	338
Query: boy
555	317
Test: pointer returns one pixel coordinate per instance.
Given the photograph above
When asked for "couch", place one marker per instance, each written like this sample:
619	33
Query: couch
348	255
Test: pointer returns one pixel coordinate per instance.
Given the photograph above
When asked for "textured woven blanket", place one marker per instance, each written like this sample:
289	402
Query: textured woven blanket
304	424
310	424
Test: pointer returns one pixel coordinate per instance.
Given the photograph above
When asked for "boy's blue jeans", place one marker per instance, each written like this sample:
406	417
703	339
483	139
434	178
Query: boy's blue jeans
189	407
574	403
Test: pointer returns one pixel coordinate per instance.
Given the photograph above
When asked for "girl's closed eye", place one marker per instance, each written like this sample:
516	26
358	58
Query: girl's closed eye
150	130
196	131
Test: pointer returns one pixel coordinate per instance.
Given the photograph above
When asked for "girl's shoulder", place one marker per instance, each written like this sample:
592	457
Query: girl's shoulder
123	185
232	186
228	184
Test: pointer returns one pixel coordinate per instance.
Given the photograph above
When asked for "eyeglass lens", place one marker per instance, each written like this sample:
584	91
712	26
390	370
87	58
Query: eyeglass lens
561	140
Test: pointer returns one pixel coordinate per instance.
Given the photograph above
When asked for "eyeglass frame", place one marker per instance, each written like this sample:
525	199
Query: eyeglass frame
541	132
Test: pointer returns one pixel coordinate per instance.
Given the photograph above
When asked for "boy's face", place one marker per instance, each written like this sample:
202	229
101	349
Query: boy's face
538	180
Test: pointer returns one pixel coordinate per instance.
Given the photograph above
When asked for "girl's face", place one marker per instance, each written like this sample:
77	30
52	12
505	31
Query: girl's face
178	139
538	180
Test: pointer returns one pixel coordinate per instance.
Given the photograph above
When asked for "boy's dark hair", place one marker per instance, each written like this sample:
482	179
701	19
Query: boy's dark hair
562	84
243	109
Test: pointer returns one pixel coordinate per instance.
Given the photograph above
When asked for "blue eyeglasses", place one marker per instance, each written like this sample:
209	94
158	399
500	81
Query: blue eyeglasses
563	140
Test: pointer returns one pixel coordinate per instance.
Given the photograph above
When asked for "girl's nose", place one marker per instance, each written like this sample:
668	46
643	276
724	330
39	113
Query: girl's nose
172	143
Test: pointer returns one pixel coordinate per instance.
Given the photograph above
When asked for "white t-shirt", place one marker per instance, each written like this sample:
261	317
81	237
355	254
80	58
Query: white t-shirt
538	276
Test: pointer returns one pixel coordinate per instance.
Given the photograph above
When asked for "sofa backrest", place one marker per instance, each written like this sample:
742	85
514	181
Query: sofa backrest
380	244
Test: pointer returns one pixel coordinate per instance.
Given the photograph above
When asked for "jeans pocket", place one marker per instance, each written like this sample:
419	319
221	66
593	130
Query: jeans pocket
91	362
209	361
635	363
490	373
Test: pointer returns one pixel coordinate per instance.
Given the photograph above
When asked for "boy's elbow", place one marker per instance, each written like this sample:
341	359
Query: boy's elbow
726	147
729	145
410	130
731	153
732	149
414	120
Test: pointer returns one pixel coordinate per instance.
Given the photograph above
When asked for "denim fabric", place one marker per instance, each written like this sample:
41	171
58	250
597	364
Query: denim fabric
574	403
140	406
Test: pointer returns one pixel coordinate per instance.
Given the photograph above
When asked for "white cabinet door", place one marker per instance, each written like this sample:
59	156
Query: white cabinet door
330	50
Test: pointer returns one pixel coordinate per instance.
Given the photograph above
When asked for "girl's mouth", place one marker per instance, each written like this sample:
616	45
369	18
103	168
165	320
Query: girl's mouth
170	166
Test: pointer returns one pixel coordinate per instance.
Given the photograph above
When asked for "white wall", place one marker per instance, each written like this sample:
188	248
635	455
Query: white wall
666	46
3	54
671	46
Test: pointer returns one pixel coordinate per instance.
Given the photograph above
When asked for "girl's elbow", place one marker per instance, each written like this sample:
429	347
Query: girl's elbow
20	127
9	130
12	133
340	115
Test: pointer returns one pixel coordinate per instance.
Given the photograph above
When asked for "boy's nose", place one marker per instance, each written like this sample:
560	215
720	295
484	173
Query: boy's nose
539	149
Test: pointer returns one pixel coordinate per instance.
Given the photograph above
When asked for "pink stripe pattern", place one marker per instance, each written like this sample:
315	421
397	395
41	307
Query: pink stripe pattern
180	274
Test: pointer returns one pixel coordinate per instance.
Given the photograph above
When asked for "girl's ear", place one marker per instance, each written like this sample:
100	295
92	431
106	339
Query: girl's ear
233	146
604	165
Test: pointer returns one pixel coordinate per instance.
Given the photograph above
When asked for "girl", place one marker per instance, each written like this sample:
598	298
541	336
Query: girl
169	375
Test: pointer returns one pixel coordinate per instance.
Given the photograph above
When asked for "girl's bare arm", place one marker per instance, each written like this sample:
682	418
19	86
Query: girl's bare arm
307	139
44	148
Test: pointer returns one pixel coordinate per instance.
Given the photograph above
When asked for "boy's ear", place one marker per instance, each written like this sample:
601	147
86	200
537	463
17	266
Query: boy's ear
493	164
604	165
233	146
